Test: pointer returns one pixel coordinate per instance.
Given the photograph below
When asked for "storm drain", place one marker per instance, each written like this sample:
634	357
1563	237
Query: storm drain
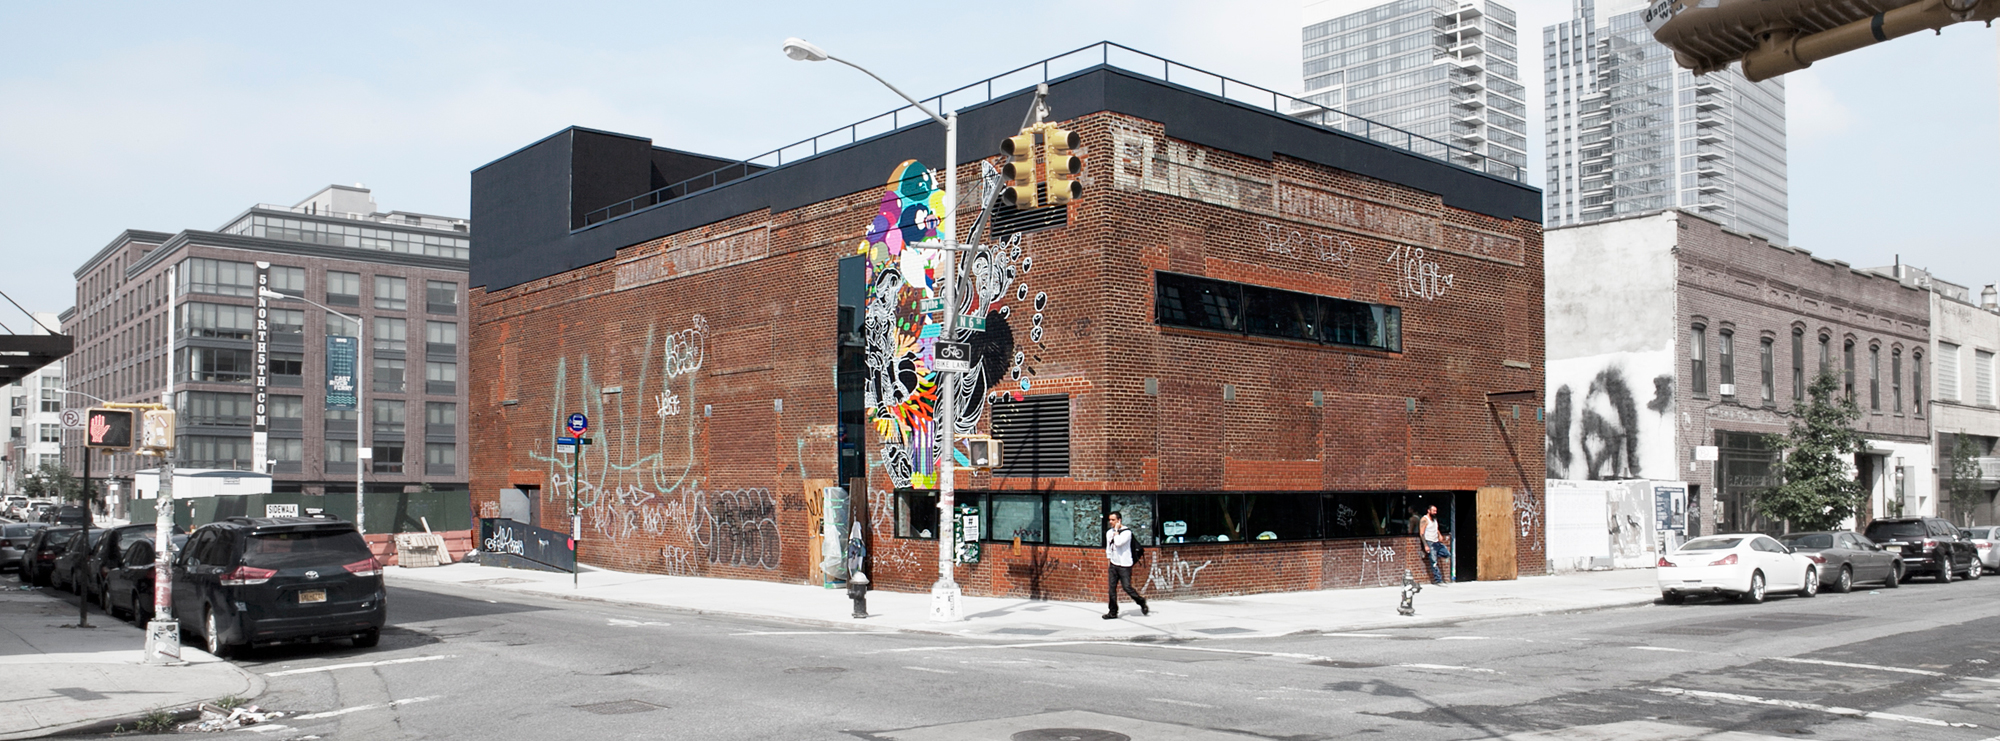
1070	734
620	707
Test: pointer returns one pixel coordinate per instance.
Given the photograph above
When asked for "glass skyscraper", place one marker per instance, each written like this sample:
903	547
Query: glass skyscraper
1630	132
1442	69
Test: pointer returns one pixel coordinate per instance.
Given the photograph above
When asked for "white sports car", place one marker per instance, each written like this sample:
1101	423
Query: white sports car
1745	565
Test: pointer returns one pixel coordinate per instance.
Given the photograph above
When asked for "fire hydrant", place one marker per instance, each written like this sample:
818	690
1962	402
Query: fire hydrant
857	590
1410	590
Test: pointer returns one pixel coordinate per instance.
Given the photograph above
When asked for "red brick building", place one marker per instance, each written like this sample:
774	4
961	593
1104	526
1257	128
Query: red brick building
1265	341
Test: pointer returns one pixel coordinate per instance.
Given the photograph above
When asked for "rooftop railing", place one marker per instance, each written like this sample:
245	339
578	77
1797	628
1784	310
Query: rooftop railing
1103	53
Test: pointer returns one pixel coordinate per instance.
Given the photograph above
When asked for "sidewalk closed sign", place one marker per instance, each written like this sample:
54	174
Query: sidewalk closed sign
341	352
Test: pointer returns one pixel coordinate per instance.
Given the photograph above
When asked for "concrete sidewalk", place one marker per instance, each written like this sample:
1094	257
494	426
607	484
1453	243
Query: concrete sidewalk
59	678
1030	620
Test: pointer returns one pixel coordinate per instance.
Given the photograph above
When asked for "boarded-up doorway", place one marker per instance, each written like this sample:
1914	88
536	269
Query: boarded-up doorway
1496	534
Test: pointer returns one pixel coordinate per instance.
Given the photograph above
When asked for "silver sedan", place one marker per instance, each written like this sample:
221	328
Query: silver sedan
1987	541
1846	558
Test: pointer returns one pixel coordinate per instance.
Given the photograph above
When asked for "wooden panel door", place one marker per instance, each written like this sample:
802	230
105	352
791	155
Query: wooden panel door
1496	534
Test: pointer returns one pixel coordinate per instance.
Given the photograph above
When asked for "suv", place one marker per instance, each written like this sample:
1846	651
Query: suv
246	581
1929	546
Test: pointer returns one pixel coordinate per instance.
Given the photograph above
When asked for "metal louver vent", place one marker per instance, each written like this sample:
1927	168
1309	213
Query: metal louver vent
1008	221
1035	431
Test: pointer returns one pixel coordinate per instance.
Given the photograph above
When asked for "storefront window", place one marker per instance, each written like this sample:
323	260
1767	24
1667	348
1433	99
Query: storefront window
1010	516
1201	518
1076	519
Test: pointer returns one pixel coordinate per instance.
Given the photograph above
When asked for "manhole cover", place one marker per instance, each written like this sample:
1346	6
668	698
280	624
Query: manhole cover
500	582
1223	631
815	670
1070	734
620	707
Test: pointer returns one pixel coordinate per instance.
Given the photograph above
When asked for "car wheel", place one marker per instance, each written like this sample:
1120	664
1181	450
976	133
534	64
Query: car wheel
1673	598
1895	576
1755	596
104	600
1845	582
213	634
1810	587
141	611
368	639
1944	571
1974	570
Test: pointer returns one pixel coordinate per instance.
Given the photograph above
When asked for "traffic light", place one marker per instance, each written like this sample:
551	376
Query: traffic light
157	430
108	429
1063	167
1019	170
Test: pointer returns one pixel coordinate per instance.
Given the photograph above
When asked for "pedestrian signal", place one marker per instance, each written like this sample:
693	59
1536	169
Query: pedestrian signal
108	429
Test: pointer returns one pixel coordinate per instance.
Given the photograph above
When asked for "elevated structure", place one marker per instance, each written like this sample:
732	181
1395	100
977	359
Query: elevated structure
1773	37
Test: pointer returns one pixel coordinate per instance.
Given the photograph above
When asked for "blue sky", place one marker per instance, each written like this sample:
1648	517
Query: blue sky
175	116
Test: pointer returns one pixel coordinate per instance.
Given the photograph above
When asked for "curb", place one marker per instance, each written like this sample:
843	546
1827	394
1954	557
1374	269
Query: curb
255	684
1145	638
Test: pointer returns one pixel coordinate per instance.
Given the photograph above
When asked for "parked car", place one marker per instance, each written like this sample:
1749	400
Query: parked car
109	552
1930	546
68	514
1745	565
39	560
14	542
39	511
128	585
1985	540
1845	558
15	506
251	581
69	562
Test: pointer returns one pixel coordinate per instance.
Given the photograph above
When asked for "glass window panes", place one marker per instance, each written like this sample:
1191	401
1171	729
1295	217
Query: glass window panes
441	297
343	289
442	334
392	293
224	321
387	416
213	365
1010	516
219	277
287	449
288	280
387	375
288	364
440	414
1282	516
916	514
1197	302
214	409
1076	519
391	333
440	378
1201	518
287	324
1137	511
440	458
1275	313
413	242
1189	301
339	456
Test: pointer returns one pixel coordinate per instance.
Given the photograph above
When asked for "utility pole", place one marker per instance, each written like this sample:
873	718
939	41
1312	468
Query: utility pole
163	633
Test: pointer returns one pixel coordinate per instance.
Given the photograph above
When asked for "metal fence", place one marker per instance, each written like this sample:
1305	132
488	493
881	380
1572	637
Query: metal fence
1103	53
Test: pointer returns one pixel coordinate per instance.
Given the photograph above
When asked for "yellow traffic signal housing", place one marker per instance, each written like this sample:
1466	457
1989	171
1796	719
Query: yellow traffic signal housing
1063	167
1019	170
108	429
157	430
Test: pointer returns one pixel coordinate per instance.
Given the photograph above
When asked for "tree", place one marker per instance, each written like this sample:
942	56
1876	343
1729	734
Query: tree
52	481
1961	479
1819	491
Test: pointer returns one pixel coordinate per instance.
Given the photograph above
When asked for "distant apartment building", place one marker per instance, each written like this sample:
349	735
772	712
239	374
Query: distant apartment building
1965	404
1630	132
1685	360
403	274
34	417
1442	69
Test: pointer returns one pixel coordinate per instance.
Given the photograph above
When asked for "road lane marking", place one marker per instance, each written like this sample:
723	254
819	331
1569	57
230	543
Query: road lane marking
1447	667
1464	638
928	669
1048	684
805	632
358	665
359	708
1180	702
1357	635
623	623
1038	644
1662	648
267	728
1823	662
1796	705
1149	671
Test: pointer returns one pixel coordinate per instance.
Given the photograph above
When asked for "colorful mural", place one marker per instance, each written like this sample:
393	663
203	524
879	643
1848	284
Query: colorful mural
905	273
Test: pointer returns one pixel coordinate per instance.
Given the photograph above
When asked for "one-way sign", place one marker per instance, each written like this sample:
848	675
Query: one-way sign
952	357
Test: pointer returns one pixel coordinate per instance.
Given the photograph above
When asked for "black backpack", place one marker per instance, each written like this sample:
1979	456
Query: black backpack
1138	548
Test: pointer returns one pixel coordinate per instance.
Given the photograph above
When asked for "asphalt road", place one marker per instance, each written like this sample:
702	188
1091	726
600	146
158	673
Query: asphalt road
465	662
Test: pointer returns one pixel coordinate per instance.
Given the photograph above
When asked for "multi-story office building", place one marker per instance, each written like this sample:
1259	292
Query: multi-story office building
403	274
1630	132
1442	69
34	417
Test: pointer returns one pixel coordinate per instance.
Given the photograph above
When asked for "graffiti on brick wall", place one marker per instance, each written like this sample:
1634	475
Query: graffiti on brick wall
1288	240
1610	416
1418	274
1379	564
904	320
1527	511
1173	575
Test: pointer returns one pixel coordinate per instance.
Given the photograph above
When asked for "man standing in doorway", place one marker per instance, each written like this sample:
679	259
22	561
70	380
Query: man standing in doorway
1435	552
1118	551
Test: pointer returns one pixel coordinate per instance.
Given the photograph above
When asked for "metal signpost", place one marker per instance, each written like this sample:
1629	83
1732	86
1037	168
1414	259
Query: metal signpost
163	633
577	425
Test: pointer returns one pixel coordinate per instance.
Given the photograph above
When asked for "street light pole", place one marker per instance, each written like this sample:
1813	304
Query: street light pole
360	400
945	603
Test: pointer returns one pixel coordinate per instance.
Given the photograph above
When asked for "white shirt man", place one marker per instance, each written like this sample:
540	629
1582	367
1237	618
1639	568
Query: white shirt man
1118	555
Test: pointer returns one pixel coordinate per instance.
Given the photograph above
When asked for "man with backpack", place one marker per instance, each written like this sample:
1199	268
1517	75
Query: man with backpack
1122	549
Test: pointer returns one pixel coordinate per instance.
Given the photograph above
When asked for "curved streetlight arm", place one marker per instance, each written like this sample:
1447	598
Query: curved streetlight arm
99	400
885	83
360	400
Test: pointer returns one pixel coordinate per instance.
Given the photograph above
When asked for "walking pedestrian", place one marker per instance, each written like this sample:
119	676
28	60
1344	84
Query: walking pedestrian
1435	551
1118	553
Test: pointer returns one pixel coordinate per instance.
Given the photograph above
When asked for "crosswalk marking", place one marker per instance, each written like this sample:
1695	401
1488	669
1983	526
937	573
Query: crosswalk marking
1796	705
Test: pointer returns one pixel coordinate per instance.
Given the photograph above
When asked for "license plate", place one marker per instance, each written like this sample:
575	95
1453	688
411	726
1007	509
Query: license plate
308	596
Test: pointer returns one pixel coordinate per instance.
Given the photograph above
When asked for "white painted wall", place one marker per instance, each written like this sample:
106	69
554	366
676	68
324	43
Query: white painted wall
1610	337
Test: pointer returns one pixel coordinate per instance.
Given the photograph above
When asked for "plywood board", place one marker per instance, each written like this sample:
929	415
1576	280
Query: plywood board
1496	534
814	539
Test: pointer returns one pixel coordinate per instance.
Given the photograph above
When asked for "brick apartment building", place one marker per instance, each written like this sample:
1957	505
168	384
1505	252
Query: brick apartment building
1265	341
1677	364
401	272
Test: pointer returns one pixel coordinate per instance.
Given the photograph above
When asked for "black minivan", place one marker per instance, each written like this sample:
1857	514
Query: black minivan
254	581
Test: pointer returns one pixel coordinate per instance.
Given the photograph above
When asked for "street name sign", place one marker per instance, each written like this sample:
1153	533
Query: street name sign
974	323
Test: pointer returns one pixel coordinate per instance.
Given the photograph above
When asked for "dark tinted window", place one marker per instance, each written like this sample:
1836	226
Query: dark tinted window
1815	540
300	549
58	537
1880	531
1196	302
140	554
1275	313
